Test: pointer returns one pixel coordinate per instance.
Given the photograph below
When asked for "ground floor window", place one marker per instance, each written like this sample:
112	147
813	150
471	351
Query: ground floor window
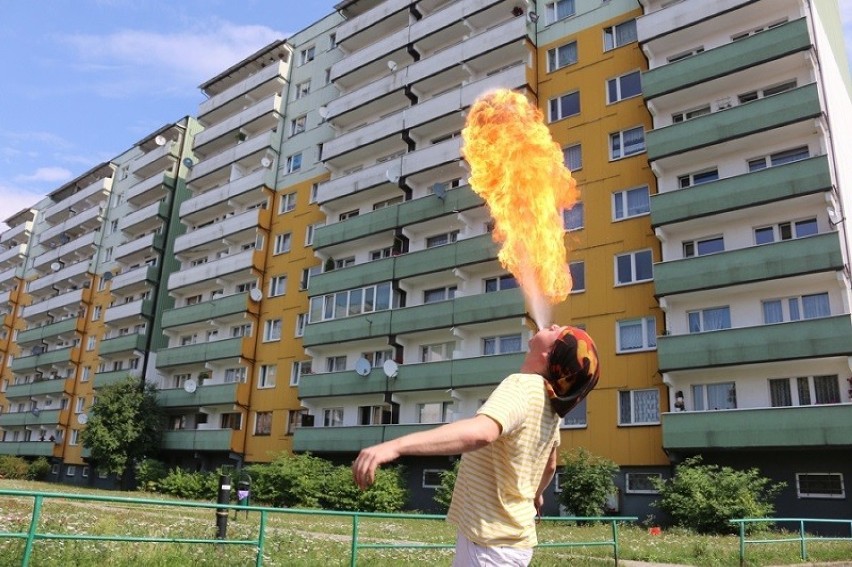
820	485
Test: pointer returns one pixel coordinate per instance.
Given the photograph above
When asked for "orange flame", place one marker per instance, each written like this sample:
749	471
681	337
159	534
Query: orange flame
518	169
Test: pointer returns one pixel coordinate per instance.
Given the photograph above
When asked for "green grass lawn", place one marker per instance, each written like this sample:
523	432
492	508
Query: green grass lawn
314	539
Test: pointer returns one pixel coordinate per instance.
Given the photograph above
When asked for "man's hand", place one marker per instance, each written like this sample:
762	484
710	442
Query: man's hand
539	504
369	459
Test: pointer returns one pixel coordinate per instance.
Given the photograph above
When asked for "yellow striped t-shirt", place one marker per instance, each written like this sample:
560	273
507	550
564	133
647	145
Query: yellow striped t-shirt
493	499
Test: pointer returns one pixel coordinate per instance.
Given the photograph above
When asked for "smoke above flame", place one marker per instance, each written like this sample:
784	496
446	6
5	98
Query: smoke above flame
518	169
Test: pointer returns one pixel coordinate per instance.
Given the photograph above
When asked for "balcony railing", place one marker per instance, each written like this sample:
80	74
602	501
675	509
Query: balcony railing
27	448
350	439
39	388
67	327
208	310
204	395
201	353
235	263
125	344
28	418
199	440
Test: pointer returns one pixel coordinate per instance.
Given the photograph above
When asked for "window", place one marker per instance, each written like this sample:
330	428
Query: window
297	125
564	106
685	54
636	334
300	369
627	143
332	417
75	438
768	91
351	302
241	331
559	10
305	280
797	308
720	396
301	321
500	283
437	352
307	55
779	392
622	34
631	203
442	239
282	243
679	117
754	31
501	345
266	376
703	246
698	178
277	286
294	163
294	420
779	158
370	415
572	219
244	287
820	389
625	86
263	423
272	330
303	89
634	267
287	203
235	375
642	483
348	215
820	485
332	40
71	470
432	478
84	376
786	231
638	407
573	157
439	294
377	358
711	319
232	421
344	262
434	412
561	56
335	363
576	417
90	343
310	231
578	276
96	313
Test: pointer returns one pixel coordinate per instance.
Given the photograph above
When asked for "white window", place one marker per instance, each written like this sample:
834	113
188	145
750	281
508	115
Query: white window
564	106
636	335
634	267
501	345
820	485
85	472
348	215
107	257
573	157
96	313
307	55
621	34
314	191
263	423
703	246
282	243
631	203
812	306
559	10
432	478
439	294
434	412
287	203
627	143
344	262
572	219
437	352
685	54
79	403
294	420
335	363
575	418
768	91
305	281
84	376
720	396
272	330
442	239
370	415
75	439
303	89
812	390
638	407
685	115
277	286
266	376
310	231
297	125
244	287
500	283
241	331
691	179
710	319
642	483
294	163
332	417
301	368
301	321
577	269
235	375
351	302
561	56
778	158
377	358
625	86
90	343
786	231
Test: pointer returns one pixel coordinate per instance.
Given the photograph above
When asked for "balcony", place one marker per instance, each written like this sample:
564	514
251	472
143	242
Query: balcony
133	310
262	115
63	329
66	302
816	427
137	278
758	49
75	274
273	74
757	116
140	248
69	253
241	263
40	388
367	326
82	223
225	197
104	379
208	310
9	275
392	14
812	338
123	345
150	190
789	258
97	192
210	395
350	439
157	160
202	353
27	448
247	155
21	231
13	256
742	191
29	418
198	440
146	218
247	222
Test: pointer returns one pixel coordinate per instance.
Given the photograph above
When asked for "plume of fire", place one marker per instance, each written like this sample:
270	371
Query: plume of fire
518	169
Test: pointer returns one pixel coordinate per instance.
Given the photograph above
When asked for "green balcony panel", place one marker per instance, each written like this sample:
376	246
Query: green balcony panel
349	439
423	317
344	383
67	327
342	330
757	116
485	370
103	379
812	338
489	306
39	388
786	39
788	427
27	363
423	376
469	251
818	253
198	440
27	448
204	352
748	190
419	210
206	311
353	277
209	395
127	343
398	430
44	417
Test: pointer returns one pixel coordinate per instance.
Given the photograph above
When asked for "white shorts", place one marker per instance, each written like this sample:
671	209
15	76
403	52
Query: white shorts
469	554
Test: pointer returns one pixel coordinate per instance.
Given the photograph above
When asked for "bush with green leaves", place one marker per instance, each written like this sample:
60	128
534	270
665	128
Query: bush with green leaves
149	473
13	467
192	485
38	469
444	492
587	482
705	497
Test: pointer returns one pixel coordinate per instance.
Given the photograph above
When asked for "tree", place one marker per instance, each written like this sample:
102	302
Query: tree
444	492
587	481
125	426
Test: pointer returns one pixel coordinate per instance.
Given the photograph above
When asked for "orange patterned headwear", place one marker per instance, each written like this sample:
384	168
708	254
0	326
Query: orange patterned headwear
573	370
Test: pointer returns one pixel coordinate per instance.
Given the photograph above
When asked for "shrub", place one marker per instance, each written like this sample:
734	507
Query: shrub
38	469
388	493
192	485
444	493
290	480
704	497
149	473
587	481
12	467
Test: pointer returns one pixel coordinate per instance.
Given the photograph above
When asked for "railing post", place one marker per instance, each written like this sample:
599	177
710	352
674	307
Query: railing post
222	513
615	540
28	548
354	551
742	544
802	536
260	538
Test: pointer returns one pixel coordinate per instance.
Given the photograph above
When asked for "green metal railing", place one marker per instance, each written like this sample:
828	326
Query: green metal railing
802	538
32	534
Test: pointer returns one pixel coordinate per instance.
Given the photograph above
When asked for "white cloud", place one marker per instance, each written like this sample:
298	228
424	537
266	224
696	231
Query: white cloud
15	199
46	174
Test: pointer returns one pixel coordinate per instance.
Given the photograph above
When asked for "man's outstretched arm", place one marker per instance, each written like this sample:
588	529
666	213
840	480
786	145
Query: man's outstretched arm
451	439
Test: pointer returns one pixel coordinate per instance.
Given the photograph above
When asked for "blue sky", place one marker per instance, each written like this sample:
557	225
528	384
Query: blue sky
85	79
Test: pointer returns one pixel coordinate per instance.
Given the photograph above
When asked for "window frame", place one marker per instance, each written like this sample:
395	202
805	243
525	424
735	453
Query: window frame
554	62
818	495
623	197
633	421
618	84
634	265
646	345
556	104
613	156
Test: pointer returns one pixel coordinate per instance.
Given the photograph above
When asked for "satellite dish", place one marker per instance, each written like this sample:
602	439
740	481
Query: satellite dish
392	65
188	162
190	386
362	366
56	266
390	368
160	140
64	239
439	190
255	294
37	350
82	419
107	276
391	176
323	111
265	162
35	411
